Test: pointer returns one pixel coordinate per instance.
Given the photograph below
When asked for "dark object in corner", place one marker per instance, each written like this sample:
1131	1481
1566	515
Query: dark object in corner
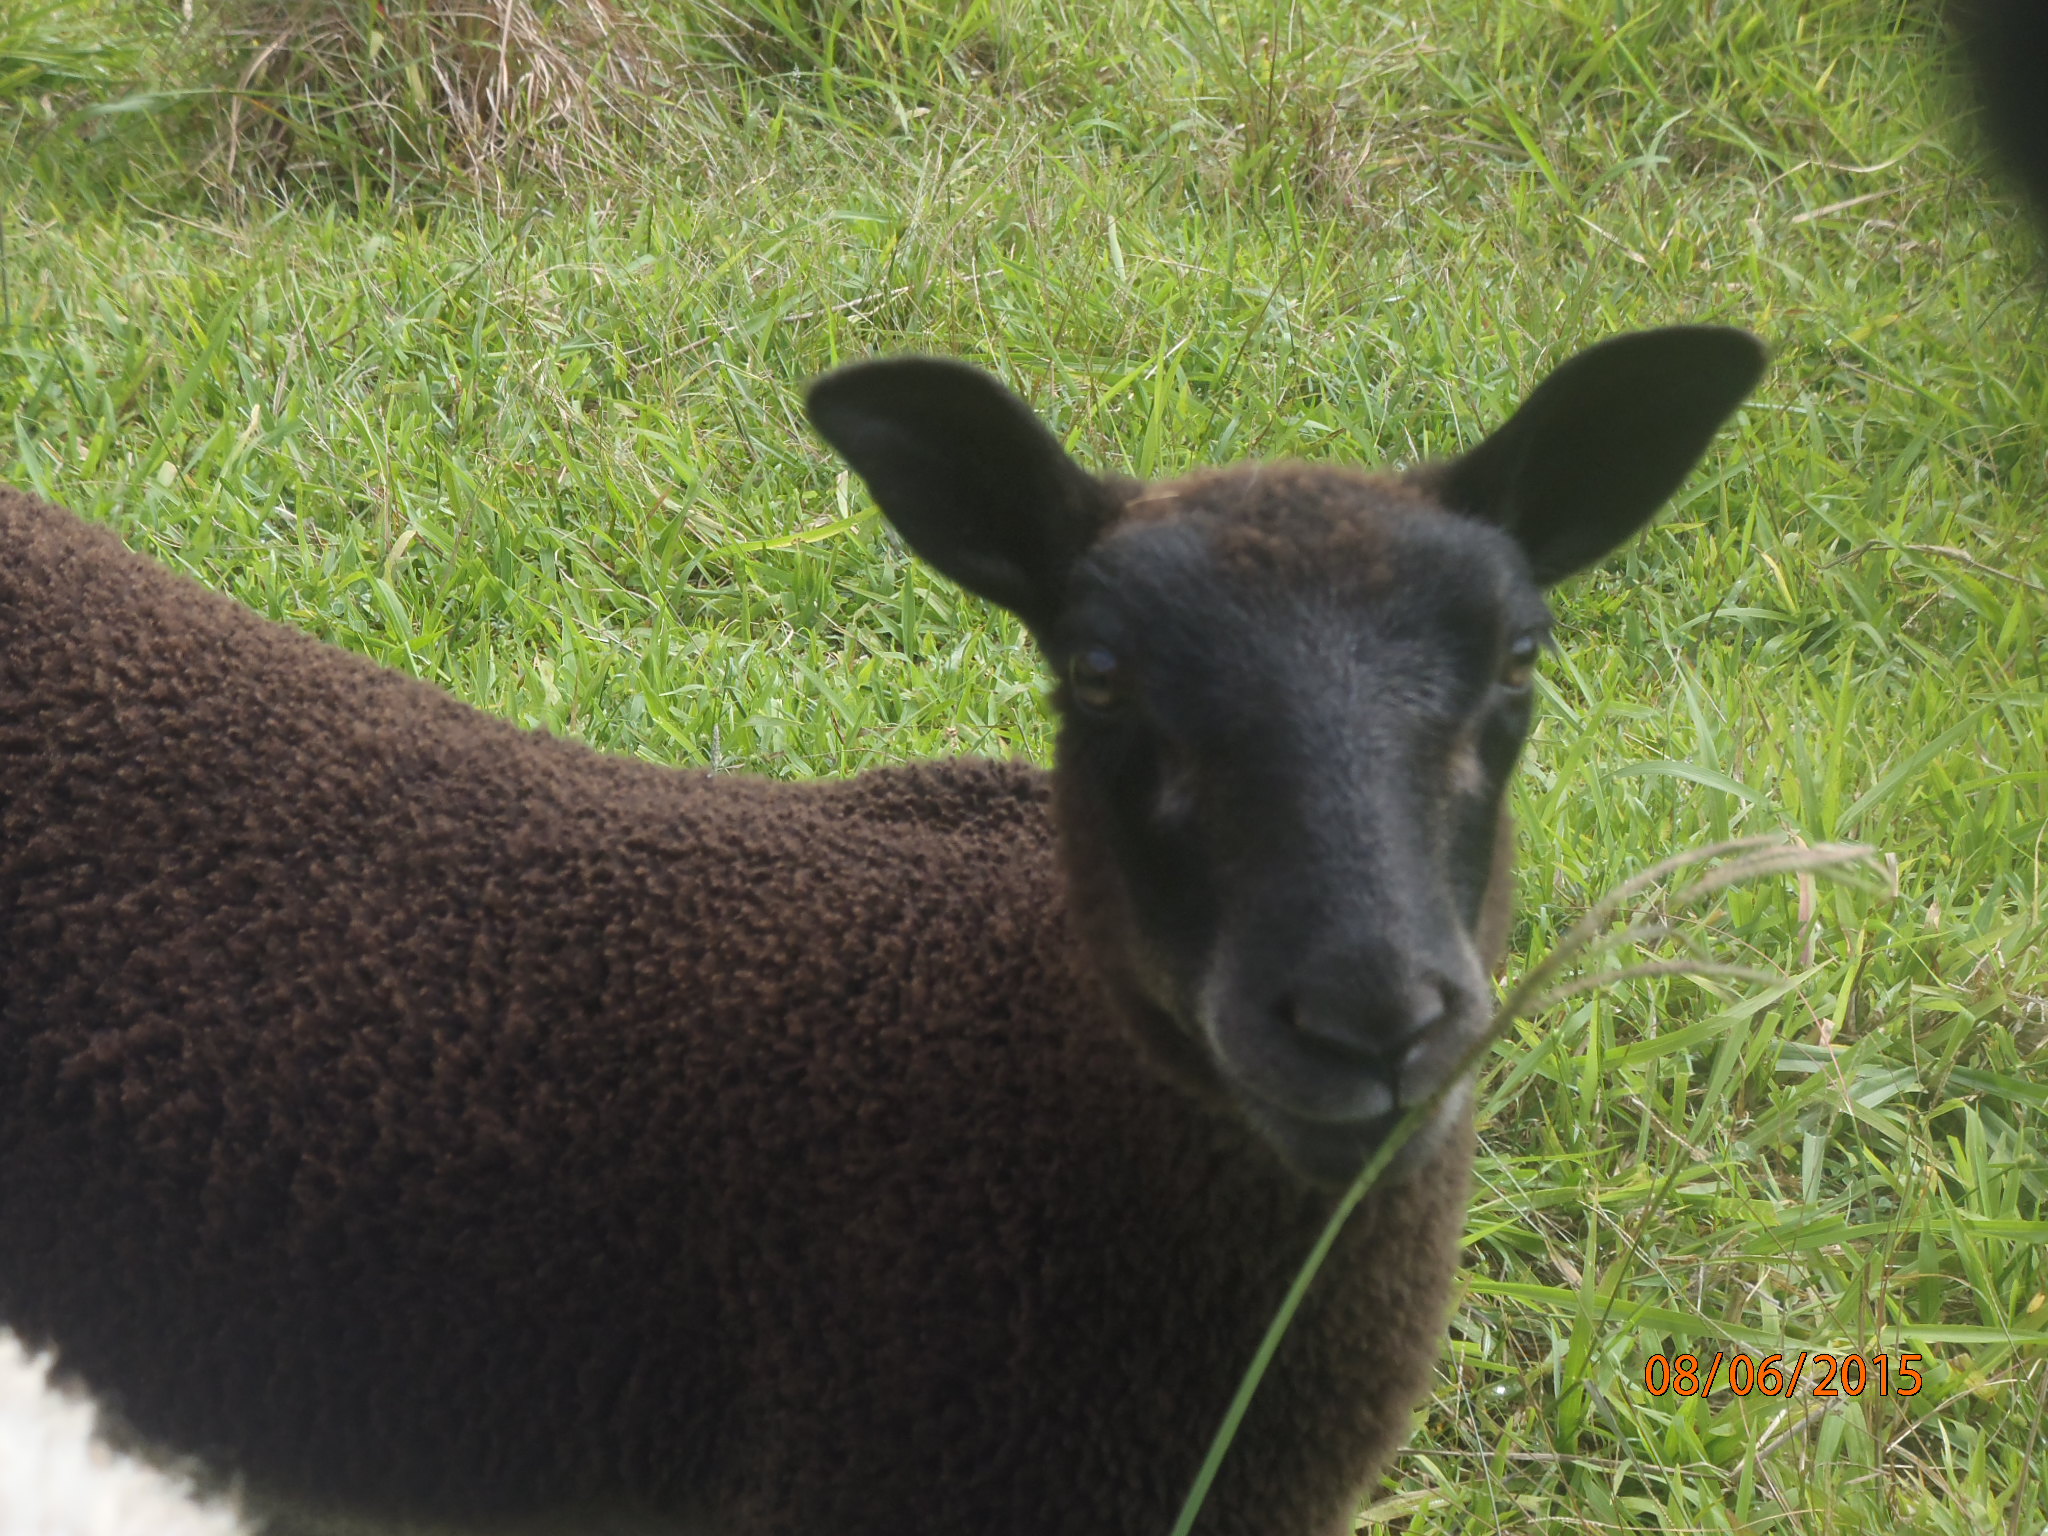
2006	45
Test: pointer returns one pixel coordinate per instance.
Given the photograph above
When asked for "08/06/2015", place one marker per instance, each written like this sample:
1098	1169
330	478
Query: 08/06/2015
1840	1375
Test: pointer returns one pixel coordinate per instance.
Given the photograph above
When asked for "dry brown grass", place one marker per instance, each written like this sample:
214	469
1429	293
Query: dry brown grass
411	89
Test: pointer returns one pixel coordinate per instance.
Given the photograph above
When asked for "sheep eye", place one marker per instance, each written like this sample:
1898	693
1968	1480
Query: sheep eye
1519	668
1092	679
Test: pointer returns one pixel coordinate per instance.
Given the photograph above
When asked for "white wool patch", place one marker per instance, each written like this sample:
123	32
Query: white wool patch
58	1479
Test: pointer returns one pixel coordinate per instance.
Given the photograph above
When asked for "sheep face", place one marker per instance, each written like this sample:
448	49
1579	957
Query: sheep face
1290	701
1291	697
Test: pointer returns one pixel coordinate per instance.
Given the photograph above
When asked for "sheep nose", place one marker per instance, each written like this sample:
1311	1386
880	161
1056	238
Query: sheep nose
1371	1020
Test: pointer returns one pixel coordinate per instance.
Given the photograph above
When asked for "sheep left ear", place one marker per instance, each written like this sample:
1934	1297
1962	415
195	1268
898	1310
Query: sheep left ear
1602	443
972	480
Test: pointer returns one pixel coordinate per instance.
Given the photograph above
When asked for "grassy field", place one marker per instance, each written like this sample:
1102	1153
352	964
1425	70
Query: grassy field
536	436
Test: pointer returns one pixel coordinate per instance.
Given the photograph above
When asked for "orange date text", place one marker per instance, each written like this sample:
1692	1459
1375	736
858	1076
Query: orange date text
1779	1375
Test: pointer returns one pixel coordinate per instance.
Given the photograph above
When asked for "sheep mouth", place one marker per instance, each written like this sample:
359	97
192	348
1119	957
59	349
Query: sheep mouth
1331	1153
1325	1108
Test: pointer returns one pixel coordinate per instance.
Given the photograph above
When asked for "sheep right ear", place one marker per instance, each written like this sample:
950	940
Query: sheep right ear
1601	443
972	480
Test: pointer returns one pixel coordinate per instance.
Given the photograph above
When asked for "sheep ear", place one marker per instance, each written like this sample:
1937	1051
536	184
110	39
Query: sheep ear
1602	442
971	479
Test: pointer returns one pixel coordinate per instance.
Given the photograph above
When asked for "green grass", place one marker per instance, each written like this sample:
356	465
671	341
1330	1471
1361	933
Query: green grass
538	439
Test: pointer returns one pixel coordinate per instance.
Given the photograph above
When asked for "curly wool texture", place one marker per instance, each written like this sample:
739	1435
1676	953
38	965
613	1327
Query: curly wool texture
419	1117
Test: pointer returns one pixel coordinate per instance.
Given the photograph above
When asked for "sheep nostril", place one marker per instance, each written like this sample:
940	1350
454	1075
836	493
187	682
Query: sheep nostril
1341	1031
1365	1029
1330	1031
1429	1007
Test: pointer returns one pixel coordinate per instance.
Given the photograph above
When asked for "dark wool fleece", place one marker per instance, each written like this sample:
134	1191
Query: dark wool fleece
416	1115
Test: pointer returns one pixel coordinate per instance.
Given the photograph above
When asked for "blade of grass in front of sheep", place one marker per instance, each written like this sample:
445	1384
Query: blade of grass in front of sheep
1759	856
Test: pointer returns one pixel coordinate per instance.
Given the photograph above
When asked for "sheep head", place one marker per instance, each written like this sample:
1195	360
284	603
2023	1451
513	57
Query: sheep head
1291	697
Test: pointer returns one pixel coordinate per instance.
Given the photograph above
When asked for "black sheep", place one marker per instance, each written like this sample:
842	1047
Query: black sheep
428	1122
